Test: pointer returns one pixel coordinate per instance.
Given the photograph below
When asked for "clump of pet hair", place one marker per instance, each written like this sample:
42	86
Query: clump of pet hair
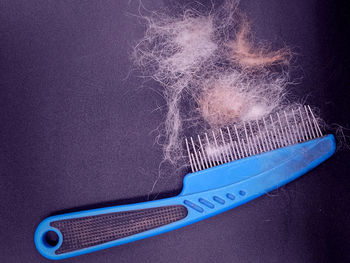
237	97
249	55
172	52
174	48
208	57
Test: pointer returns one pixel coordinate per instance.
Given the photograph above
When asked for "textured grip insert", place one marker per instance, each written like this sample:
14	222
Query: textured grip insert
83	232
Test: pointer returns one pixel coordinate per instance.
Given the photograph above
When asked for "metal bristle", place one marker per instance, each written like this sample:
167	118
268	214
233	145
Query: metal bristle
232	143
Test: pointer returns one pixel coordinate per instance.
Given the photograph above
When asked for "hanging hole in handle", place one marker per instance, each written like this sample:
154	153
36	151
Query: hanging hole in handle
50	239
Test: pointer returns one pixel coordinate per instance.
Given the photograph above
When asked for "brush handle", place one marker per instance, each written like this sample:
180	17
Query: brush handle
92	230
202	196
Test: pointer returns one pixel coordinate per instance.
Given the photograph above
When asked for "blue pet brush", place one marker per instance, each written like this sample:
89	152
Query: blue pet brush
228	169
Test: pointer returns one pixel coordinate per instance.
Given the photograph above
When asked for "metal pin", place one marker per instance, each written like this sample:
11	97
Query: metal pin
251	152
189	154
271	144
306	136
246	136
274	130
253	139
309	120
225	150
254	146
238	140
233	150
268	142
283	137
268	147
201	158
284	132
268	136
307	123
217	153
296	126
261	138
208	144
244	148
231	144
238	152
214	151
288	132
256	151
292	135
195	154
318	130
287	136
194	163
280	137
203	153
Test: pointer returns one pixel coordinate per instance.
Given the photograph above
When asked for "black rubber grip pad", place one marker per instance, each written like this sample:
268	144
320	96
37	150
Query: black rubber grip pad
90	231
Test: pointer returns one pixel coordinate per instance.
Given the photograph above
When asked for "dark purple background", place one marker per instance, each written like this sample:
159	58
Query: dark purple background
76	123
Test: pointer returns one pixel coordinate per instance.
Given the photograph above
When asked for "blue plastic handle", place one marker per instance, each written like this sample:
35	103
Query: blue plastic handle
209	192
